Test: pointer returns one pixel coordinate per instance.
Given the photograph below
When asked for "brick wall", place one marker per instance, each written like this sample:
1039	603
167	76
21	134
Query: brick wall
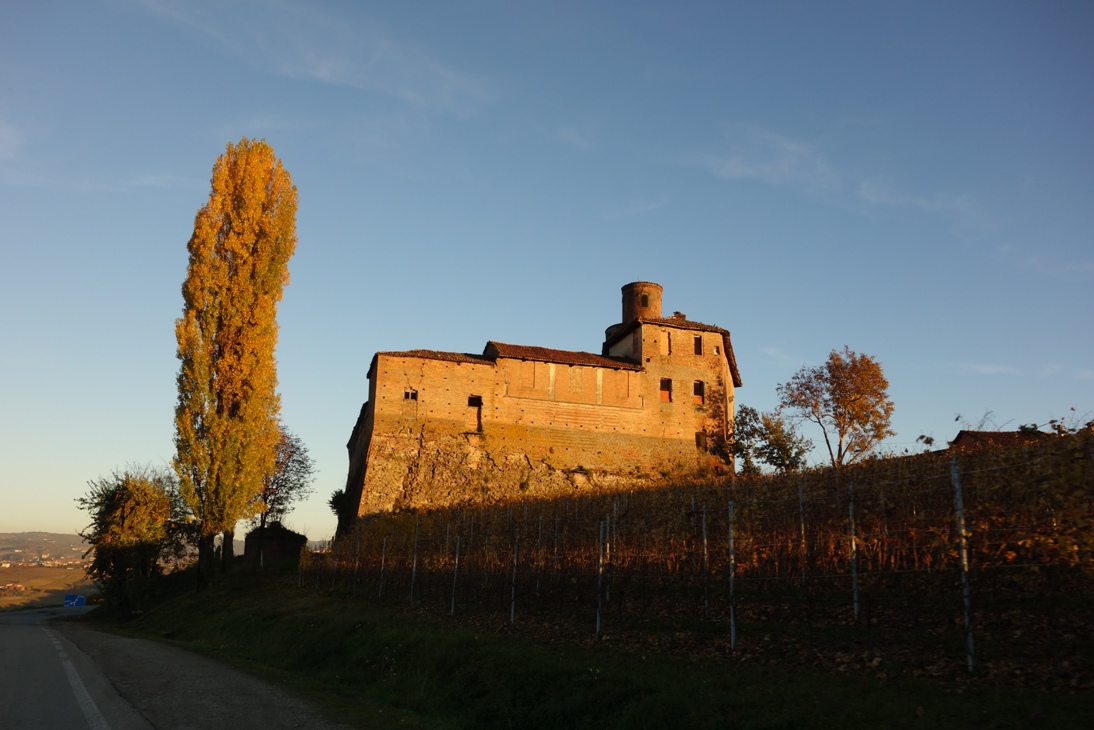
438	431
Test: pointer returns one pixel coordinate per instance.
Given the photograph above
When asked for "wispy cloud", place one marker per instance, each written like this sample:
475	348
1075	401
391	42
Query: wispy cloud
638	207
1061	372
988	369
1027	261
778	355
574	138
11	141
882	193
299	41
161	181
773	159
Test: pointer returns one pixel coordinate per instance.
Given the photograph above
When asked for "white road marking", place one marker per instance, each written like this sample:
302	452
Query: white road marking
95	719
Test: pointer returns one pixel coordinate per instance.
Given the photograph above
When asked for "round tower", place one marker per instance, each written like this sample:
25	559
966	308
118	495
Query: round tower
641	300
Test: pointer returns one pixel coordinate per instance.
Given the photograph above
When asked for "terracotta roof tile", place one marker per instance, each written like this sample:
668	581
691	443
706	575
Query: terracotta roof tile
437	355
545	354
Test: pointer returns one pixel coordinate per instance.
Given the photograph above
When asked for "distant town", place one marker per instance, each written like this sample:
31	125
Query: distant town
43	549
25	562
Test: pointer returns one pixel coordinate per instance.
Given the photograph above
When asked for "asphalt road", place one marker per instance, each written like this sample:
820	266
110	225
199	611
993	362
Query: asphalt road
47	682
63	675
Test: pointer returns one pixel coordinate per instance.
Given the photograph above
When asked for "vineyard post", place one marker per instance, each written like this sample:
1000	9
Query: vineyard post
539	550
608	557
334	564
963	555
803	550
513	591
732	592
414	562
470	537
615	521
455	572
300	566
599	574
555	548
356	560
854	554
706	565
383	562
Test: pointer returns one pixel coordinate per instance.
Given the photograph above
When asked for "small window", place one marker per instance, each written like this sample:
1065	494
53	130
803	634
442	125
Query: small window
645	300
701	440
410	394
474	413
699	392
666	390
698	344
717	350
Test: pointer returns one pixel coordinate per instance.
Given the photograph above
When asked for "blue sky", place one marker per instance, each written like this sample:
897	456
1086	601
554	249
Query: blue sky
913	180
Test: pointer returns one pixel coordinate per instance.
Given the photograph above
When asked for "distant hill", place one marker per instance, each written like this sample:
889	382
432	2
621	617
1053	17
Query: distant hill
41	547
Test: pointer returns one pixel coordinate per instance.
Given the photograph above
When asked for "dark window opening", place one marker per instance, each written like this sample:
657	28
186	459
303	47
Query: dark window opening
474	413
666	390
717	350
699	392
645	300
699	345
701	440
410	394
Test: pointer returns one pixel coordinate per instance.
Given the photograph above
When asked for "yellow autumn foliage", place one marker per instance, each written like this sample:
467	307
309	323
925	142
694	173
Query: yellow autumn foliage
226	427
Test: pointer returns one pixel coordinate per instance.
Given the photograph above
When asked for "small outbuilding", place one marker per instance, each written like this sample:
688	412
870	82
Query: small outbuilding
273	545
971	440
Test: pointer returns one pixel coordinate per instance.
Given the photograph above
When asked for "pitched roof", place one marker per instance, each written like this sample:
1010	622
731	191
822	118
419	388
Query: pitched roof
458	357
617	332
496	350
975	439
438	355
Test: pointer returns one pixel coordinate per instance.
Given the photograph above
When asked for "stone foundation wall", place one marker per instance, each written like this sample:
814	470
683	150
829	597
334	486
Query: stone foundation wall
418	465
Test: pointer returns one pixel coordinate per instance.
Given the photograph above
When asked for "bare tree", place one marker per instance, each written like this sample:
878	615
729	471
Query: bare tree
294	471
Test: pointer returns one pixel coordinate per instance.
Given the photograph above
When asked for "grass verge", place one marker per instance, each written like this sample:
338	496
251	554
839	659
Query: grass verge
376	665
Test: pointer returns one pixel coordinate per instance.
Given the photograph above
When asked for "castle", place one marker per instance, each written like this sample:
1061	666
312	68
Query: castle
443	428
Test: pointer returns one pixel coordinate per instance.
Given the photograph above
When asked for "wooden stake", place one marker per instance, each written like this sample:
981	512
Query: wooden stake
513	592
732	592
599	574
963	554
455	573
383	561
854	556
414	563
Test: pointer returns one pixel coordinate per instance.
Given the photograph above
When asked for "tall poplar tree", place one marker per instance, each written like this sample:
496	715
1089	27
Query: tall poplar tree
226	419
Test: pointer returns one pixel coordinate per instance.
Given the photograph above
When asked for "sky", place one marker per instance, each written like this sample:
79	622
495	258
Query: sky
913	180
